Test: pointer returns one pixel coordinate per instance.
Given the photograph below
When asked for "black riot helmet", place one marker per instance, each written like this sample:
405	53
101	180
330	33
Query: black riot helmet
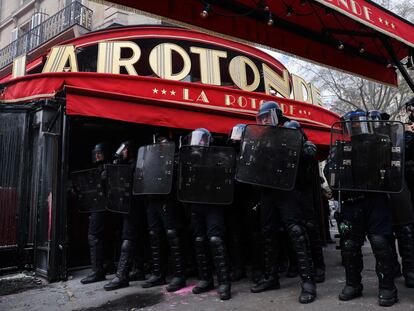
161	136
269	114
376	115
100	153
199	137
356	122
292	124
409	107
237	132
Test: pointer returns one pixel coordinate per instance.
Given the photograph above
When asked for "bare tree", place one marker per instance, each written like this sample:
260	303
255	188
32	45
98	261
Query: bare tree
348	92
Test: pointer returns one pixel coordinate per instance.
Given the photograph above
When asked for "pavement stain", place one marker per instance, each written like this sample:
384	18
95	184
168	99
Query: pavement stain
10	286
129	302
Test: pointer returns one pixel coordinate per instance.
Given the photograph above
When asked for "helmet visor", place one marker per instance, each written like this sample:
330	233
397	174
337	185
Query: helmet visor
268	118
236	133
199	138
119	150
357	126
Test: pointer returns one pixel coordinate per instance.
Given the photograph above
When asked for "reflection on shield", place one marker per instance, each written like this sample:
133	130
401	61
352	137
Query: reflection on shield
369	161
154	169
269	156
119	188
206	175
88	187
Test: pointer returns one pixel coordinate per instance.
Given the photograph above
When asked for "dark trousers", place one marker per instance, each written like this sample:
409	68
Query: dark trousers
207	220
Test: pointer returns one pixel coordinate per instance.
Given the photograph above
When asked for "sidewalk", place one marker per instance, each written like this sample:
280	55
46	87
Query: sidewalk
71	295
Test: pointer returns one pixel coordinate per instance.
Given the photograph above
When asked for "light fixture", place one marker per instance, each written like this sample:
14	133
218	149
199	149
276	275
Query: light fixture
302	2
389	65
289	11
270	20
341	46
361	49
206	11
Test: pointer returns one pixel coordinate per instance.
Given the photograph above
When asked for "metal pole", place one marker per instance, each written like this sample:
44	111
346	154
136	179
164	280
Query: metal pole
397	62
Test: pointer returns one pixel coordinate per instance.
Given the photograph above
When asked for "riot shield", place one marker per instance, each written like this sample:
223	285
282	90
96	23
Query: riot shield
372	160
88	187
154	169
206	174
119	187
269	156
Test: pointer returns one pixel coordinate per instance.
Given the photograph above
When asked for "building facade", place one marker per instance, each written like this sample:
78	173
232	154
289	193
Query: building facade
26	25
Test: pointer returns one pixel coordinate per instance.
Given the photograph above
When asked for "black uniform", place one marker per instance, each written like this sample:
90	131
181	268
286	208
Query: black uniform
165	216
197	165
364	213
130	236
286	206
96	231
403	215
308	184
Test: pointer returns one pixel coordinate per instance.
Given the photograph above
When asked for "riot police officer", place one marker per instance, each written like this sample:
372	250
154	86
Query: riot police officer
164	216
97	221
308	185
362	212
277	203
207	223
130	220
402	207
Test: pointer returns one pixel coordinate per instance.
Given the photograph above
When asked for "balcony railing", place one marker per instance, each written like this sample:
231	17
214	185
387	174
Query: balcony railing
73	14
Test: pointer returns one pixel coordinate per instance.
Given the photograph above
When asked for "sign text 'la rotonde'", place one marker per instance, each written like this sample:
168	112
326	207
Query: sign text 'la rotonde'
182	61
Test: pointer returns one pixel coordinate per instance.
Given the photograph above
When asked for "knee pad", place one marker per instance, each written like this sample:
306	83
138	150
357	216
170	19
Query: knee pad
216	240
379	243
154	233
200	239
296	231
172	234
127	245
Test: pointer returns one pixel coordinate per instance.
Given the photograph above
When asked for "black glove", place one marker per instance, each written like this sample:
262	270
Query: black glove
309	149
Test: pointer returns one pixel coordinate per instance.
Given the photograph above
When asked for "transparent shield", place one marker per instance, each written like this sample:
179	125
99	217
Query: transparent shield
206	174
154	169
372	161
269	156
89	190
119	188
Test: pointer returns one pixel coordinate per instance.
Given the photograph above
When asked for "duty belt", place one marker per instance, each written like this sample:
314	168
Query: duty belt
354	199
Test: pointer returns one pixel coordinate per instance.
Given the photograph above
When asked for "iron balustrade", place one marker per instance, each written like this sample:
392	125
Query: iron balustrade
73	14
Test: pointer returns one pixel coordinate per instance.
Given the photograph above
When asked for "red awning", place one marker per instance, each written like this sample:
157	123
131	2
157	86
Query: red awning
350	35
117	97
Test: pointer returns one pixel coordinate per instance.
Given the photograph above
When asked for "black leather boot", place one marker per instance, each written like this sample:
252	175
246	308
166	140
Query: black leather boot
179	279
205	282
352	259
315	244
387	294
157	277
96	254
405	238
218	250
300	244
121	278
270	279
